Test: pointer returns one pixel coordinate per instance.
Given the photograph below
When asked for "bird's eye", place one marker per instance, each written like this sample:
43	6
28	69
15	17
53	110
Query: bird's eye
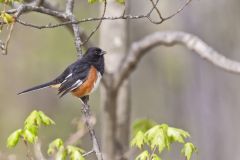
98	51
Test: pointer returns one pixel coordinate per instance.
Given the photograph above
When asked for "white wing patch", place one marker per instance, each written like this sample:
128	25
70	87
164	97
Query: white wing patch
96	84
66	78
69	76
76	84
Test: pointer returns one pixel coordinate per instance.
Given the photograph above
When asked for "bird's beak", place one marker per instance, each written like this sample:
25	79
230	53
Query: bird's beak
103	52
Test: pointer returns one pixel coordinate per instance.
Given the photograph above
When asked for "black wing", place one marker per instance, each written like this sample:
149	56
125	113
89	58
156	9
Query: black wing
73	76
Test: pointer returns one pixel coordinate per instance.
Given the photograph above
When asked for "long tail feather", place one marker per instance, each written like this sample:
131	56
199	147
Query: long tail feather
37	87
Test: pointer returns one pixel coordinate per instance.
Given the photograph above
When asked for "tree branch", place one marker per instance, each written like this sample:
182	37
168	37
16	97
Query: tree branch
99	24
76	29
38	152
87	114
32	7
66	16
140	48
69	6
83	36
75	21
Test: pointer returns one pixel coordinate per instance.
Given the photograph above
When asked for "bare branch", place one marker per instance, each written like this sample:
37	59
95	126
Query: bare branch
5	50
99	24
87	114
152	153
69	6
80	21
83	36
88	153
38	152
30	7
157	10
75	21
76	29
82	130
2	46
140	48
162	19
179	10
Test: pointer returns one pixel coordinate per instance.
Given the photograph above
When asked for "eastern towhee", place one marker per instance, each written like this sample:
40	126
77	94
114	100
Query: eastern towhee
80	78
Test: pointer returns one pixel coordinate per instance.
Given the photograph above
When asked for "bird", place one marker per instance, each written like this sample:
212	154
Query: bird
80	78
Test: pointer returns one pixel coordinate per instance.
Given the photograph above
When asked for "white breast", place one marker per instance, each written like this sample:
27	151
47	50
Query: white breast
96	84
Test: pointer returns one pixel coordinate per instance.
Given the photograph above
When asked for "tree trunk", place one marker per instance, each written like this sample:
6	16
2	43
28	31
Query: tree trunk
115	104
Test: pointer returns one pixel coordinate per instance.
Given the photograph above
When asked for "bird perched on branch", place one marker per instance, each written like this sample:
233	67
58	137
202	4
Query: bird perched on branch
80	78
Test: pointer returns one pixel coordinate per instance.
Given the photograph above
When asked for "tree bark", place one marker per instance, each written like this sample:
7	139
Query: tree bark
115	104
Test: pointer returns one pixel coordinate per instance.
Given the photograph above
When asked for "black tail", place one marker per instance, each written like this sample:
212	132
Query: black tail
37	87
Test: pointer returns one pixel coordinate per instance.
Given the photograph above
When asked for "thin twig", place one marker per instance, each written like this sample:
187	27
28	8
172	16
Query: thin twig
59	14
88	153
99	24
27	7
2	46
179	10
48	5
5	51
82	130
38	152
28	155
79	21
162	19
153	152
157	10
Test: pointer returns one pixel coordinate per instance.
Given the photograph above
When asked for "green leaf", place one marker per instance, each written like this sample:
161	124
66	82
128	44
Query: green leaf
7	18
142	125
153	132
45	119
164	128
14	138
29	136
157	136
92	1
10	1
55	145
75	153
76	156
32	128
138	140
143	156
188	150
71	148
33	119
61	154
177	135
121	1
155	157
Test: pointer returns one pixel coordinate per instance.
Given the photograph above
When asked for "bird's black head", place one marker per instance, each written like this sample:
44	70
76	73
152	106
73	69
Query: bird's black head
94	53
94	56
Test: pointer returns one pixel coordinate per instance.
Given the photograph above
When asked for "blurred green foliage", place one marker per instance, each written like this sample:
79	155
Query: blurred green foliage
9	1
57	147
158	137
29	133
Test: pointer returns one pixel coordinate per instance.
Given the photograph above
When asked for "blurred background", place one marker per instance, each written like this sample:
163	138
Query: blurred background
186	91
